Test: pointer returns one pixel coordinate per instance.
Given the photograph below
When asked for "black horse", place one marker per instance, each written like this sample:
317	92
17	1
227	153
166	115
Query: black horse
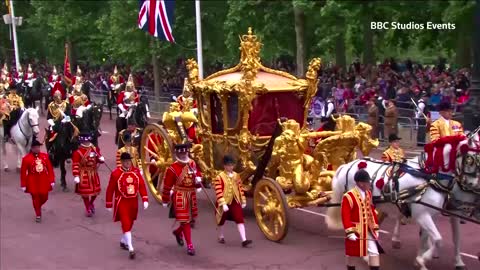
90	121
35	93
138	115
87	88
61	147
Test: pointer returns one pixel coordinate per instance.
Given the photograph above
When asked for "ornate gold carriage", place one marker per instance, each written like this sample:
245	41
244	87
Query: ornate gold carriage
258	115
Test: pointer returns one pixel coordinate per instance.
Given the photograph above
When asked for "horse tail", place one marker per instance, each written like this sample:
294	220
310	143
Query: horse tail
334	218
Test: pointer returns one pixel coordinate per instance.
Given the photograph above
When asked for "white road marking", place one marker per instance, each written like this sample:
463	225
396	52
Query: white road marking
469	255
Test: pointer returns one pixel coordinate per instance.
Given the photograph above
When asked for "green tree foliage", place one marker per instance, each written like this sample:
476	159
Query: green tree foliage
332	29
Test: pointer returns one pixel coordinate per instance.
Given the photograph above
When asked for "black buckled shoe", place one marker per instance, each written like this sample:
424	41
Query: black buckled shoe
123	246
38	219
221	240
179	239
246	243
191	251
131	255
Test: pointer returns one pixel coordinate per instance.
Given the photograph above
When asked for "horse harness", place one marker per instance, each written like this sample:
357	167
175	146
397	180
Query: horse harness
27	139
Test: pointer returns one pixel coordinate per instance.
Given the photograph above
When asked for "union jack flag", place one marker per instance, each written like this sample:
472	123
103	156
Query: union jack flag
156	18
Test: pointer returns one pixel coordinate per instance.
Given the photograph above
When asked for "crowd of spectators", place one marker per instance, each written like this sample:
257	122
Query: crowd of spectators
398	81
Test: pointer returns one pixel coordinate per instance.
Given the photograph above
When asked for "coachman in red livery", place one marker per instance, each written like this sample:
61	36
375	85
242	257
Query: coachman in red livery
184	179
37	177
126	183
360	223
84	168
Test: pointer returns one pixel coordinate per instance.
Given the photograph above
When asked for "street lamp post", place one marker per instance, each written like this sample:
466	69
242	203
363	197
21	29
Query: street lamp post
15	21
472	108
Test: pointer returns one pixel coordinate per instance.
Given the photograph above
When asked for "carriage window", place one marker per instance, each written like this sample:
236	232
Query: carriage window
216	114
232	107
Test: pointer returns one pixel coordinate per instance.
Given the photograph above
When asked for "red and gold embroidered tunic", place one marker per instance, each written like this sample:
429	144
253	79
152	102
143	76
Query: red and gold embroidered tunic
181	177
359	217
84	165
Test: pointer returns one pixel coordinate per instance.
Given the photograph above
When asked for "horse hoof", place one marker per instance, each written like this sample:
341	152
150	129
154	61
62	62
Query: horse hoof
436	256
420	262
6	169
460	267
396	244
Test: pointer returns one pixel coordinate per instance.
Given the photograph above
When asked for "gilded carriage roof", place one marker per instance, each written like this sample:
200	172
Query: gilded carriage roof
251	68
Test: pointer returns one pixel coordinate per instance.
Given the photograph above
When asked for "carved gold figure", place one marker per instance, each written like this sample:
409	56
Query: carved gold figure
273	163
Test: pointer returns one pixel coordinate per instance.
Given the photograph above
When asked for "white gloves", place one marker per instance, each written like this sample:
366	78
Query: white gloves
244	205
225	208
76	179
171	192
102	159
198	180
145	205
24	189
352	237
199	190
121	107
141	173
52	184
51	122
109	209
148	115
165	205
89	106
66	119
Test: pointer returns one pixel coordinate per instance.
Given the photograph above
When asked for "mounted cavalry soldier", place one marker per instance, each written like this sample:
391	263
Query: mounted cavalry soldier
16	106
421	116
78	77
19	77
54	78
128	97
115	81
125	186
5	81
30	77
58	112
445	126
77	98
184	179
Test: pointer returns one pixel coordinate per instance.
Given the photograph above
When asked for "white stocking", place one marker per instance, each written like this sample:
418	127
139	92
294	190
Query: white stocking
128	237
220	232
123	240
241	230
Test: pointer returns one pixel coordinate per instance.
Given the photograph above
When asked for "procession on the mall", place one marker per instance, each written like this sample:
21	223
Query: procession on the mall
247	143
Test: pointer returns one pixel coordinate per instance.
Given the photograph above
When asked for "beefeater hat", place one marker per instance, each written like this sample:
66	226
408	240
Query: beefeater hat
125	156
361	176
182	147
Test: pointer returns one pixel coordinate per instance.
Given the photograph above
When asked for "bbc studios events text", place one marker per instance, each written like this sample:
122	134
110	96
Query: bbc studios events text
411	26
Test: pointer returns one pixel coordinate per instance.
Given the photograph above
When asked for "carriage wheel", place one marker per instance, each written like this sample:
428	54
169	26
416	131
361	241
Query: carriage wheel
270	207
157	145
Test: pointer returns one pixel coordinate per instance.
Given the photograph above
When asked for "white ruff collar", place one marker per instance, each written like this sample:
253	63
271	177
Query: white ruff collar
185	161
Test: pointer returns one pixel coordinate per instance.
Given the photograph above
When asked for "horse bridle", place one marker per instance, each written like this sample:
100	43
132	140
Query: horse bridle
31	126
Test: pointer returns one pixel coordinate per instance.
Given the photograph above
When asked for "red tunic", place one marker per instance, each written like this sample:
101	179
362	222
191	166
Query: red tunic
121	99
58	86
126	186
229	191
181	177
71	100
358	217
36	173
112	84
84	165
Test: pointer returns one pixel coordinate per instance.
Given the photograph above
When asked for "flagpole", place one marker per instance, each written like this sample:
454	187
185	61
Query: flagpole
14	30
198	20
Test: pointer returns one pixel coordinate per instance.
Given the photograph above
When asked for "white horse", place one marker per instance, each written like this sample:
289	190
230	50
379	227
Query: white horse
423	215
23	132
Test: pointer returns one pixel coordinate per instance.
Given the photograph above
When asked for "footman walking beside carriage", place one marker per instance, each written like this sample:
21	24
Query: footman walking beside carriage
183	178
126	184
84	168
37	177
230	200
360	223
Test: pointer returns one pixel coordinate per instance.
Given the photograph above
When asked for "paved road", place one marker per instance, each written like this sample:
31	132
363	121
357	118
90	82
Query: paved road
66	239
